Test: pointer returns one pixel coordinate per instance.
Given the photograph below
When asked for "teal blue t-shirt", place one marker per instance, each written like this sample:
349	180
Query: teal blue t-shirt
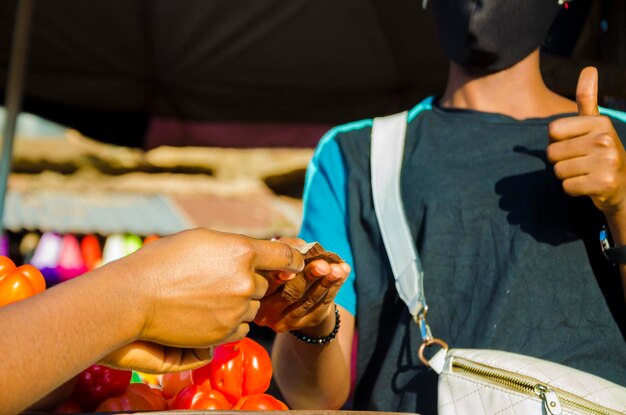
510	261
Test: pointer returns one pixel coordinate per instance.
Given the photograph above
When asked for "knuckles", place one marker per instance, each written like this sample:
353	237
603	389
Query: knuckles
243	249
244	287
612	160
290	294
309	302
609	183
604	140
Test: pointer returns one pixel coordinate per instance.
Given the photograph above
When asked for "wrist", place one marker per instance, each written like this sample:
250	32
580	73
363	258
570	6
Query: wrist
324	328
125	298
616	222
321	334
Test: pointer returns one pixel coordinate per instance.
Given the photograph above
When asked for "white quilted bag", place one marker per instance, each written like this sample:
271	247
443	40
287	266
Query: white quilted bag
478	382
472	382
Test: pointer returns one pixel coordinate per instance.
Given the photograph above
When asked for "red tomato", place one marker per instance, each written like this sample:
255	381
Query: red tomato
15	287
68	407
6	266
125	402
260	402
172	383
34	276
199	397
153	396
97	383
237	369
202	376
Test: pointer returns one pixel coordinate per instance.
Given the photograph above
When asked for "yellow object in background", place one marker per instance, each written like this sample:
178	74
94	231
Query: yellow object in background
148	379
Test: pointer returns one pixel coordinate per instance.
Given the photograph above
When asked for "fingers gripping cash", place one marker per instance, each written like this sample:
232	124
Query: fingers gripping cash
313	251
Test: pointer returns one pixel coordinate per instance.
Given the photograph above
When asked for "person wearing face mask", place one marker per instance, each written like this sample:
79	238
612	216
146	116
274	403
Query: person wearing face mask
506	186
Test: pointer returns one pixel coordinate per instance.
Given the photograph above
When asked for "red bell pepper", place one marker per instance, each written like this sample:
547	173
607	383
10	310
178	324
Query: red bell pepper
199	397
98	383
260	402
125	402
18	283
237	369
172	383
152	395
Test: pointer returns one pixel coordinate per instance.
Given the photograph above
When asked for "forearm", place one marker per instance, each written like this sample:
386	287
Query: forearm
312	376
51	337
617	227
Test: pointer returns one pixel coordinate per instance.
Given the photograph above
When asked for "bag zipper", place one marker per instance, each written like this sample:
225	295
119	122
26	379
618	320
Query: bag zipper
552	397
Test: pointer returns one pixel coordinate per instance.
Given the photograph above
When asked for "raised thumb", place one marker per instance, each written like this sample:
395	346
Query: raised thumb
587	91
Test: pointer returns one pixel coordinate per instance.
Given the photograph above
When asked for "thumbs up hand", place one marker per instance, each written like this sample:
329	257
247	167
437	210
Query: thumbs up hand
587	154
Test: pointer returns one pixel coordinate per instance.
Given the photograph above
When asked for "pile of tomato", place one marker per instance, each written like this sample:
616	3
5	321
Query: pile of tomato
237	378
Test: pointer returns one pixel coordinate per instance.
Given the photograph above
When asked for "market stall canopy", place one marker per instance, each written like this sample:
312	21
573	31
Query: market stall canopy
115	68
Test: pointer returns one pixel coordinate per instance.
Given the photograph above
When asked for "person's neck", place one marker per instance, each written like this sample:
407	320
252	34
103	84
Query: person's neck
518	91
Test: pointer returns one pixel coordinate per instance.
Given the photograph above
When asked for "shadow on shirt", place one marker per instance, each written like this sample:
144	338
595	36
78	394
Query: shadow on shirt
536	202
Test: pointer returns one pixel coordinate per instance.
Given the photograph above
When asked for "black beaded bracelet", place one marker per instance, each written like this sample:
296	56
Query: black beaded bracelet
319	340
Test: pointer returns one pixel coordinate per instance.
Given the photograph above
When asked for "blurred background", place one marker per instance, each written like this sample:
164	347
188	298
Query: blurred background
215	105
147	117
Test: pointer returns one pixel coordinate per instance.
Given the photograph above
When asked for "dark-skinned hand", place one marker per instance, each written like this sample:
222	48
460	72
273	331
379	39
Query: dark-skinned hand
304	300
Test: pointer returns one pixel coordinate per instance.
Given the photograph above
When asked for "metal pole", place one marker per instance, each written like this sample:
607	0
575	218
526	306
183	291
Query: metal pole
14	89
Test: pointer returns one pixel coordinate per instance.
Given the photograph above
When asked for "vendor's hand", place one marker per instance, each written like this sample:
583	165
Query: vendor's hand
587	154
196	289
148	357
306	300
276	278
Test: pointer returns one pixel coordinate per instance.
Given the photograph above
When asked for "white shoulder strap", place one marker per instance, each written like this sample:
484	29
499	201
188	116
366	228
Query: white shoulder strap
387	150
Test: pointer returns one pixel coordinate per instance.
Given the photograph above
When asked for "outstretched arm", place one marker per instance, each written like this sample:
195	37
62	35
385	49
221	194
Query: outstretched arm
318	376
187	291
310	376
315	376
50	337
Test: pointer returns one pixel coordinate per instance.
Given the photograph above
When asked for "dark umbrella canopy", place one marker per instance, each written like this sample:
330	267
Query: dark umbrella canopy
106	67
271	60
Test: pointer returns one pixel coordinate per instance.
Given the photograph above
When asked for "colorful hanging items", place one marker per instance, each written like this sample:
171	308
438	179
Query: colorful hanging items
28	245
91	251
4	245
114	248
46	257
71	263
132	243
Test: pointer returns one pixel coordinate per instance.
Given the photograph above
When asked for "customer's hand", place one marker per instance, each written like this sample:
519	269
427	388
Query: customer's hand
149	357
587	154
306	300
196	289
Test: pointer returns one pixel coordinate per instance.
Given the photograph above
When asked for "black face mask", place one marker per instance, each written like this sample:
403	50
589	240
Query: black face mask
489	35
